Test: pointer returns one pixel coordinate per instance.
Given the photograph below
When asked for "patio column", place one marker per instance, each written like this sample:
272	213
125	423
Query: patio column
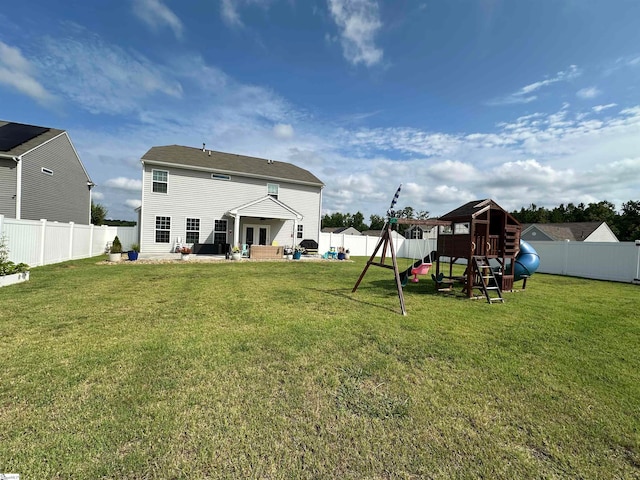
236	230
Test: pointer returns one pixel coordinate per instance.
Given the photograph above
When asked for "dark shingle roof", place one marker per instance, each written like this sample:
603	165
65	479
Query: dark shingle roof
574	231
196	158
30	143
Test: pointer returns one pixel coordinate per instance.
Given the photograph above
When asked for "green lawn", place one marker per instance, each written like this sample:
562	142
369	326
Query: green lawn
276	370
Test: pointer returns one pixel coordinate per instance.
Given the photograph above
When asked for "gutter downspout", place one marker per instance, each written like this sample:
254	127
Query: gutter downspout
18	160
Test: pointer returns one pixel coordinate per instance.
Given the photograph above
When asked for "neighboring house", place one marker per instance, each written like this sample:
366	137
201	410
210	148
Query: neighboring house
341	230
419	232
200	196
574	232
41	175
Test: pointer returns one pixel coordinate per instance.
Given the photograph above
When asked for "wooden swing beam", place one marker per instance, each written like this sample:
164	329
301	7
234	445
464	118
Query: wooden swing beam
386	241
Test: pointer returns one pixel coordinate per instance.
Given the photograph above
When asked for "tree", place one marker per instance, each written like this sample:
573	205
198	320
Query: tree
98	213
629	221
357	222
377	222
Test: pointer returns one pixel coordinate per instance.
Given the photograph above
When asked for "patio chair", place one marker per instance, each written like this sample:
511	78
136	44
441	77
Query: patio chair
245	250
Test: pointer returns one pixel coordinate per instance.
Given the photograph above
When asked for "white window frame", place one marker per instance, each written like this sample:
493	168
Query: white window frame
159	182
270	190
195	222
165	222
416	233
217	224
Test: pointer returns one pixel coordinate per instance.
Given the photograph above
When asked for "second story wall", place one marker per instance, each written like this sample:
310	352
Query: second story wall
54	184
196	194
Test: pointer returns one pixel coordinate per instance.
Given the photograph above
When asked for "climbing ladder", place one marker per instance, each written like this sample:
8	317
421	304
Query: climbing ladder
488	282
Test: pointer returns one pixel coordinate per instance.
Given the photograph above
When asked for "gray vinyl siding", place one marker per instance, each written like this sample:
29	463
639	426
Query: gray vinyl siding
8	169
63	196
194	194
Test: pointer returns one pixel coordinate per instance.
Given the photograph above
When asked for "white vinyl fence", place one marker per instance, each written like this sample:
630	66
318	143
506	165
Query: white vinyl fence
40	242
615	261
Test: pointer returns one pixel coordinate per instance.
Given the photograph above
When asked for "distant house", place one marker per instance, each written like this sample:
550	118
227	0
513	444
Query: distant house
341	230
573	231
198	196
41	175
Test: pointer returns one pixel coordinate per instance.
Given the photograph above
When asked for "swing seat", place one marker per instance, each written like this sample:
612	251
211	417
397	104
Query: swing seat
421	269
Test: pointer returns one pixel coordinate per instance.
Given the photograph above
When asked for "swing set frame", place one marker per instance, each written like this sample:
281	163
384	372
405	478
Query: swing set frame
386	242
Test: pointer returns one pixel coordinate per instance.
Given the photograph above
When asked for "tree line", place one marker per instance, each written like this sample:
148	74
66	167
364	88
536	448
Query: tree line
625	223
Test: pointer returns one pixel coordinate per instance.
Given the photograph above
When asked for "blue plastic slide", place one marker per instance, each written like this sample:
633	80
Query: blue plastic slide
527	261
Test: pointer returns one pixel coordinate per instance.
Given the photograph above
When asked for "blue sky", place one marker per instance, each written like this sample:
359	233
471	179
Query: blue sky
520	101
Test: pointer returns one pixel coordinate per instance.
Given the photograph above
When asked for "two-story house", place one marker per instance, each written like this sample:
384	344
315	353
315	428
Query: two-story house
41	175
198	196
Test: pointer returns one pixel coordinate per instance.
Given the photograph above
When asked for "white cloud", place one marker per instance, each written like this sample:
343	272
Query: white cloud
156	14
133	203
103	78
123	183
524	95
358	22
600	108
590	92
18	73
95	195
283	130
229	13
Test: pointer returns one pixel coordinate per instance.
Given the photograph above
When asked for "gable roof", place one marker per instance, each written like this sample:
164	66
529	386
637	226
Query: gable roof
228	163
339	230
20	138
574	231
472	209
264	206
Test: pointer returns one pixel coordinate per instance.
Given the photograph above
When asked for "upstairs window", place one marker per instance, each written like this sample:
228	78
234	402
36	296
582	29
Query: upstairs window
272	190
193	230
160	181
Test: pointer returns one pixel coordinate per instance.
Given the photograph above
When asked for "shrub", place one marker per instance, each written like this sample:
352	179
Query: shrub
135	247
116	246
7	267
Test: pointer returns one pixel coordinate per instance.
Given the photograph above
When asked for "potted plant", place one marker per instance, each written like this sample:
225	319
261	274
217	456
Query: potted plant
10	272
236	253
288	253
115	252
298	252
133	253
341	254
184	253
347	255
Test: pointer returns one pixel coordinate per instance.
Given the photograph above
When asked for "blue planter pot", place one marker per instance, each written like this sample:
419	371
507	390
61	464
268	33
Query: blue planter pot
341	256
132	255
297	255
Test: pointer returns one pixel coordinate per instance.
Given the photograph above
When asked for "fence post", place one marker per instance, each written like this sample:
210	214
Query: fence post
71	224
43	227
636	280
91	240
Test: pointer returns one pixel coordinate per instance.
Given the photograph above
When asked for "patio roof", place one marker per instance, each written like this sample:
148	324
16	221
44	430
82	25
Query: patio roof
266	207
